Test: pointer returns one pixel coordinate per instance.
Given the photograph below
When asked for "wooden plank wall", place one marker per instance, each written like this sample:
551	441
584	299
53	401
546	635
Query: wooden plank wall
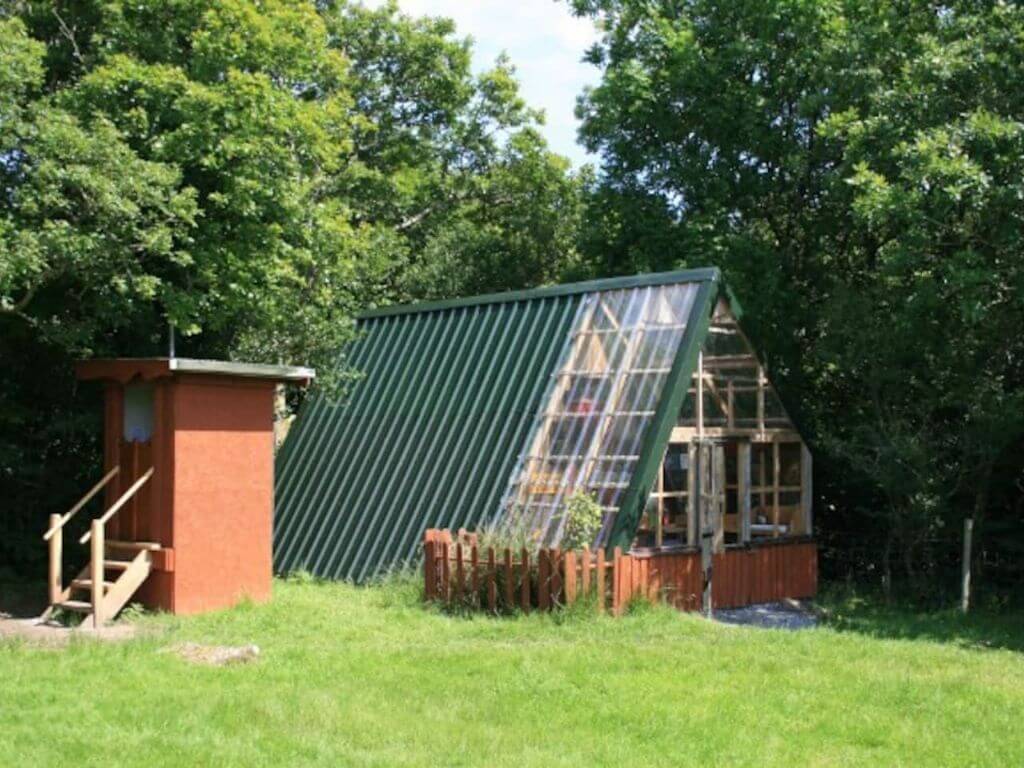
459	574
132	522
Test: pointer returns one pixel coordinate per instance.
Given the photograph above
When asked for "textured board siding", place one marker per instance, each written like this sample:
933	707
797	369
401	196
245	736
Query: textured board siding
427	438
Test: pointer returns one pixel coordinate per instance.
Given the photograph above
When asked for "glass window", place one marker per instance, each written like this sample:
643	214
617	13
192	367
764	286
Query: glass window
775	490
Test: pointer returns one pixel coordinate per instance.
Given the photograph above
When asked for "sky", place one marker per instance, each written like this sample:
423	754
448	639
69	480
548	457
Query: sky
545	43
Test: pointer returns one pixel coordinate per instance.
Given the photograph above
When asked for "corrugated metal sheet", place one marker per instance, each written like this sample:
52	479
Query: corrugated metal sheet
427	438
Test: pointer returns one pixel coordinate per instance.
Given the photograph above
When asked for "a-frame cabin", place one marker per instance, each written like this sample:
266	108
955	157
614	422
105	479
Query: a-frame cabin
642	392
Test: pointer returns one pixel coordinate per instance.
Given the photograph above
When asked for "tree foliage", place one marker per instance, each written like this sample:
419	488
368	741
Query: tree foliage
253	173
855	167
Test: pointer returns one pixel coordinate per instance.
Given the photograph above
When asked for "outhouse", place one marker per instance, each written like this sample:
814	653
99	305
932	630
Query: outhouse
189	484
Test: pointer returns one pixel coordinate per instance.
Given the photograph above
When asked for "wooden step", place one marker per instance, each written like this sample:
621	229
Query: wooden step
136	545
87	584
78	606
116	565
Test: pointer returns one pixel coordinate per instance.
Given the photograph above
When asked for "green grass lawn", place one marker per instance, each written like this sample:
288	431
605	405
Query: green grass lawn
369	677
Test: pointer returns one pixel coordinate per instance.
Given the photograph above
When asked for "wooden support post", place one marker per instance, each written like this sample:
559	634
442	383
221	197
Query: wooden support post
524	587
692	492
96	574
659	510
776	471
510	579
429	571
760	399
56	579
446	573
569	578
474	575
731	405
965	570
555	573
543	580
585	575
492	588
743	491
700	394
616	579
718	484
460	574
600	580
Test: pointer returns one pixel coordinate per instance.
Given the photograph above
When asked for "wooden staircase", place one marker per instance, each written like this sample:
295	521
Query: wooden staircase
116	569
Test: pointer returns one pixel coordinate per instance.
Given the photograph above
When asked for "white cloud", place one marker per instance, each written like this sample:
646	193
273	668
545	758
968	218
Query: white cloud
545	42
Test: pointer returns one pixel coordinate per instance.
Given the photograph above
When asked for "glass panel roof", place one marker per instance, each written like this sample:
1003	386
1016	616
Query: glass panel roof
599	405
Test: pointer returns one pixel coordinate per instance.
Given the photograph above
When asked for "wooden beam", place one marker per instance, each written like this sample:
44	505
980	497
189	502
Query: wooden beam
691	499
56	579
743	489
96	573
682	435
776	471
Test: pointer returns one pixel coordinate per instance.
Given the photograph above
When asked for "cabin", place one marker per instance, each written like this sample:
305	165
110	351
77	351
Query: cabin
642	392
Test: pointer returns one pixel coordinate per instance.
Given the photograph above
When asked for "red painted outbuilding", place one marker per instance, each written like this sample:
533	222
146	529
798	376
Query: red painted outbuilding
189	475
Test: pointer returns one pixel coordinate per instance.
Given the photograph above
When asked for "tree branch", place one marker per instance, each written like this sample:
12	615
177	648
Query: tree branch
70	35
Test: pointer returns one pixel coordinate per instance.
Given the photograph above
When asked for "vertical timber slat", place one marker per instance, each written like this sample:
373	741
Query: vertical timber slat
492	591
569	564
524	587
510	579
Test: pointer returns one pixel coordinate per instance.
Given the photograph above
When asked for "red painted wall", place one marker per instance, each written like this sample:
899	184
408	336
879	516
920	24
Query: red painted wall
223	470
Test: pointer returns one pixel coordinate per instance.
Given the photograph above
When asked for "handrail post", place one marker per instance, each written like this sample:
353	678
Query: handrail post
96	573
56	546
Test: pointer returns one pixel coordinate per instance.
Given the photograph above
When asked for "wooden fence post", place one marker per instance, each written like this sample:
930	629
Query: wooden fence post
460	575
616	579
524	588
96	573
569	563
585	576
474	568
510	576
429	571
600	580
556	577
543	580
56	578
492	592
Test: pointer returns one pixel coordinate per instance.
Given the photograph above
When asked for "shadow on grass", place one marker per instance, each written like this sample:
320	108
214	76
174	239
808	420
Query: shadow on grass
983	628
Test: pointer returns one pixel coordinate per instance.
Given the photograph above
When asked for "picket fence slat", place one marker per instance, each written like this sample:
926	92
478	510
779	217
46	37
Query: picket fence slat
510	576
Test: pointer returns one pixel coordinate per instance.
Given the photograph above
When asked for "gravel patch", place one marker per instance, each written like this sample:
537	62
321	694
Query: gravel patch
785	615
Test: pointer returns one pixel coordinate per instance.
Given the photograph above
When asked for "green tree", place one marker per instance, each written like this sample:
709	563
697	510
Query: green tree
254	173
451	162
854	166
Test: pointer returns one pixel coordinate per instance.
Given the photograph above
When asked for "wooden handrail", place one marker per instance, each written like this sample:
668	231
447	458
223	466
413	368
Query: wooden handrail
81	503
119	503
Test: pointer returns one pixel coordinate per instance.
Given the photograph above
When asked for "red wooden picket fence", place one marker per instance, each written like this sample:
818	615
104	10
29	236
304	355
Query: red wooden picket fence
462	575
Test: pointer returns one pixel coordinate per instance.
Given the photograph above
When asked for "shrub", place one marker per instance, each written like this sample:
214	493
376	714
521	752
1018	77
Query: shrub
583	516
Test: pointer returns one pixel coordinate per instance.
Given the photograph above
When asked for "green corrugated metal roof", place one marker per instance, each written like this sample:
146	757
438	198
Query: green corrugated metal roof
430	434
426	438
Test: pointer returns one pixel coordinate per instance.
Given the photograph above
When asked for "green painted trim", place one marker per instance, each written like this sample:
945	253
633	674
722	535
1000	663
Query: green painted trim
734	304
665	416
707	274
